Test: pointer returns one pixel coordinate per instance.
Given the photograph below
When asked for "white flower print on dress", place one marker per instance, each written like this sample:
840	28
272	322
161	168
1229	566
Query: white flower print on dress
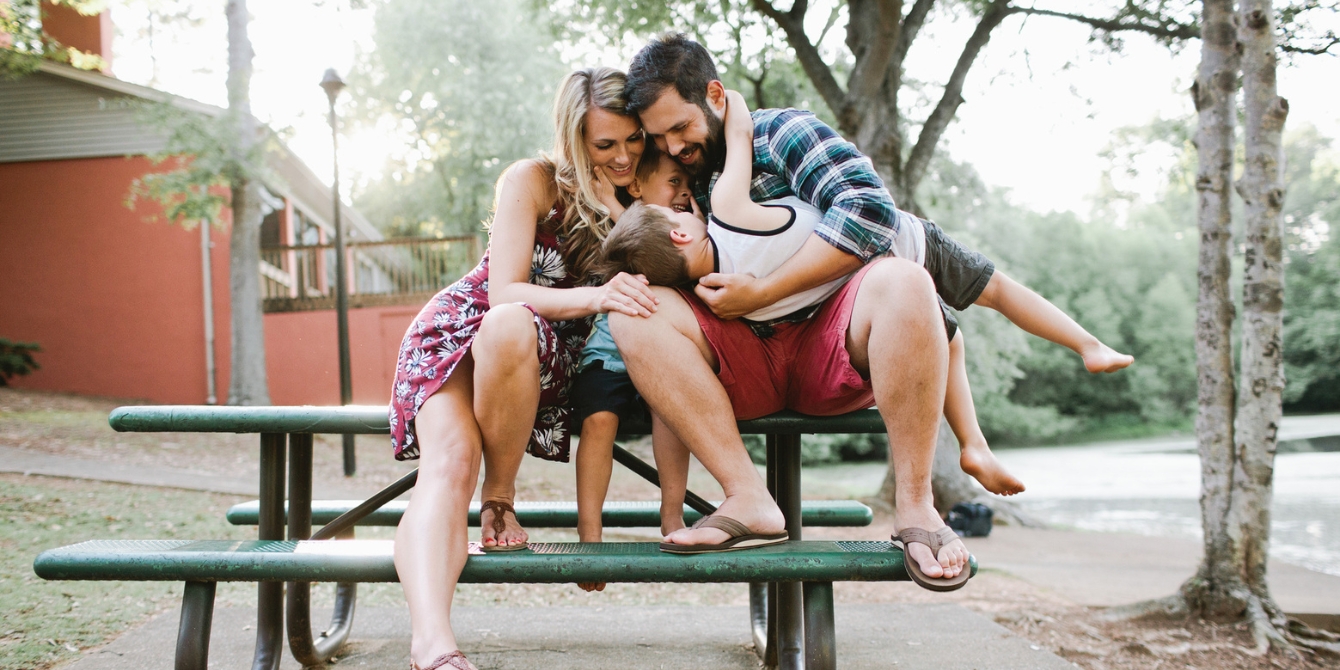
546	266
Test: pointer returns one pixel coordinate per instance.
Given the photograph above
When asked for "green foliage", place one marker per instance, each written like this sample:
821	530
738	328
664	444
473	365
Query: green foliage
201	160
16	358
21	21
1312	274
750	51
470	87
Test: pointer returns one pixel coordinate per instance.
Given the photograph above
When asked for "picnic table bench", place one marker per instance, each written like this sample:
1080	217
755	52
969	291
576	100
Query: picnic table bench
791	594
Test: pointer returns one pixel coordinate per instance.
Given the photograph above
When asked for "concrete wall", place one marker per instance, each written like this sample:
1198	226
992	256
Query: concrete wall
116	301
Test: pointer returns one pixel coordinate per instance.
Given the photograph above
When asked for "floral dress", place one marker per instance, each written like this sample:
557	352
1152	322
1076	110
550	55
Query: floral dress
445	328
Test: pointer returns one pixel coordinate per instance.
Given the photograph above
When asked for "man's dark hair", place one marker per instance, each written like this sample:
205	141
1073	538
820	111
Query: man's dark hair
669	60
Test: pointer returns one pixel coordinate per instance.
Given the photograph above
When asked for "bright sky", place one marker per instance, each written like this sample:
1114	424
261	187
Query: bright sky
1041	105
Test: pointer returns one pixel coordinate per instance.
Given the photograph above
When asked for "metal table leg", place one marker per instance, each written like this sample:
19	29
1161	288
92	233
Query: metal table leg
790	599
820	633
309	651
197	613
270	526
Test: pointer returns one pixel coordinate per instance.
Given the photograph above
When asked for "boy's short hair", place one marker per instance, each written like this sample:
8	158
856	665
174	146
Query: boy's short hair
640	244
649	164
670	60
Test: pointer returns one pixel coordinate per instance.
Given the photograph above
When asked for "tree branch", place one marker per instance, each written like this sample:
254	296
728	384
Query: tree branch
916	17
1166	29
939	119
872	35
810	59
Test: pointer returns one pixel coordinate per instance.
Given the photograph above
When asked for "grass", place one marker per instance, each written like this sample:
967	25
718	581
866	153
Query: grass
46	623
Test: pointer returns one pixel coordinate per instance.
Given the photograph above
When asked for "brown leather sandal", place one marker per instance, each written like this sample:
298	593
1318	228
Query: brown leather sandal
455	660
934	541
500	511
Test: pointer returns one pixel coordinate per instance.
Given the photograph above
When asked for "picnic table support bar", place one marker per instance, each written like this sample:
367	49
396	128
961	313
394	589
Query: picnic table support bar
309	651
820	632
270	526
790	598
197	614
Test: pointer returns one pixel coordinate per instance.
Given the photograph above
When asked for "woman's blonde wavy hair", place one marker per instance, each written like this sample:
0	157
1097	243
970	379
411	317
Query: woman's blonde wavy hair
586	222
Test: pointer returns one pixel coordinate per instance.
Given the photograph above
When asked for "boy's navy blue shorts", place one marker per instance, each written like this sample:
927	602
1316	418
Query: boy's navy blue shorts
599	390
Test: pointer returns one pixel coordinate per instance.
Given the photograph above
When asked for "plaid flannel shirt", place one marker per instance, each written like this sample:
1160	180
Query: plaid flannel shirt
797	154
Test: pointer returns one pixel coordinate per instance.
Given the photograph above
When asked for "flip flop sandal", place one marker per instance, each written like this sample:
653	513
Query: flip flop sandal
455	661
500	511
740	537
935	541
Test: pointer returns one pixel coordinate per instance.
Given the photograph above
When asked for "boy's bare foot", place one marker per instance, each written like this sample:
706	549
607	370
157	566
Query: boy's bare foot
1102	358
953	557
978	461
671	522
756	510
590	586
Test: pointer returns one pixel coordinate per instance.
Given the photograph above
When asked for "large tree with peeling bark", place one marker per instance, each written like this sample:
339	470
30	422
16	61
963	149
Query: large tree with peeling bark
1238	417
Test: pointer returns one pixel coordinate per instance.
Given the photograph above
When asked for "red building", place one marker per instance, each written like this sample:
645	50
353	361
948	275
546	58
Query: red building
128	307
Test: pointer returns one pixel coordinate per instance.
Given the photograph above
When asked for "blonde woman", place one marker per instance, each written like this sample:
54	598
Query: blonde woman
484	370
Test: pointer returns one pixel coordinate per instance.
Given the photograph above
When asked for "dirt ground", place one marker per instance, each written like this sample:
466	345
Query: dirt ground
77	427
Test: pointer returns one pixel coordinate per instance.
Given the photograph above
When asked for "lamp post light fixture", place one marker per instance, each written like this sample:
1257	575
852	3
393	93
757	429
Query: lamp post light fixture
332	84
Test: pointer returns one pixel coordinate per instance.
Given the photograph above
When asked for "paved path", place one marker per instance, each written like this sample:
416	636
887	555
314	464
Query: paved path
870	637
1103	569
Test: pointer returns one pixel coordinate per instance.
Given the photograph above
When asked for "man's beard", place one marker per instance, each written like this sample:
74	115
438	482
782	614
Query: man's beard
713	151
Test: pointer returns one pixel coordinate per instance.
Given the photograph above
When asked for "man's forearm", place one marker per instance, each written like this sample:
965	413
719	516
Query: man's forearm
817	262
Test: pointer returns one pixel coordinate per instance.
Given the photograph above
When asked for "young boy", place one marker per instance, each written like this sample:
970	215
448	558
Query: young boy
673	247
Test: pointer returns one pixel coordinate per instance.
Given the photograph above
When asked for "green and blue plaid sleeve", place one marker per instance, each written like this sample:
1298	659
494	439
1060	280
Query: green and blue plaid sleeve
796	153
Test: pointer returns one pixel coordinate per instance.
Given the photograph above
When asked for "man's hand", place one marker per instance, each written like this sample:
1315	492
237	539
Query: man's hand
730	296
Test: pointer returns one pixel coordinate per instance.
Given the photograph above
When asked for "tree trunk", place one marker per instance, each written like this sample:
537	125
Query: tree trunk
247	384
1216	591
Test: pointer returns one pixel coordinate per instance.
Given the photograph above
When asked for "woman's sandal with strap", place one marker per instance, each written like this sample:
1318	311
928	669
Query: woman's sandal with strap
500	511
455	661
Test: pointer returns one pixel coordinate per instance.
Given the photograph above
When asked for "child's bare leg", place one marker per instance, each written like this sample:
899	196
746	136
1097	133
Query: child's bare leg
1036	315
595	461
672	465
975	455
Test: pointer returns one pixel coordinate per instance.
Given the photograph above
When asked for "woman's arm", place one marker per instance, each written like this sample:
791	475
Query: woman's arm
730	197
524	198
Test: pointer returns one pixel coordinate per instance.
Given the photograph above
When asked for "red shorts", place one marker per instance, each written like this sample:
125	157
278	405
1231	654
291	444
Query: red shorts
803	367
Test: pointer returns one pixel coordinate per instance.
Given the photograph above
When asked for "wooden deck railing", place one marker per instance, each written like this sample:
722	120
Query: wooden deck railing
389	272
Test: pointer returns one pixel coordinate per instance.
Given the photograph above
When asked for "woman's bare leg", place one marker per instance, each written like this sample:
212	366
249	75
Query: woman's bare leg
506	397
975	455
672	465
431	541
1037	315
595	463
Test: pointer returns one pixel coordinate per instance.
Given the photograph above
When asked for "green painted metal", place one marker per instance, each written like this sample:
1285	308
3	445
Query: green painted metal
369	419
637	514
558	562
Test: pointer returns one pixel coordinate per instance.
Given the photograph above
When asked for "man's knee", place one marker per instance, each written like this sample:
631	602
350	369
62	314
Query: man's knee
897	276
629	330
507	333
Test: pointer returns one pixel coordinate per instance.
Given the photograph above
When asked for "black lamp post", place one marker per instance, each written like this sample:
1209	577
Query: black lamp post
332	84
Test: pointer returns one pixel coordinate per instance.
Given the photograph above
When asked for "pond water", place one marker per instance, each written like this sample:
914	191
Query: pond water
1152	487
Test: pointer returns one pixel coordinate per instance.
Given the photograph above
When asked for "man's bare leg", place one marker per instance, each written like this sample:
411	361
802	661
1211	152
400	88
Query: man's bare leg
672	366
672	465
1037	315
975	455
896	335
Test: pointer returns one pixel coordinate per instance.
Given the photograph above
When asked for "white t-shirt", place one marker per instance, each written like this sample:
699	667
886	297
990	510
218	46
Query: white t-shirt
758	253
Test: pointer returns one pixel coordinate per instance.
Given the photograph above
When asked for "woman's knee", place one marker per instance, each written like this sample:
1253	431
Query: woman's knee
506	334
